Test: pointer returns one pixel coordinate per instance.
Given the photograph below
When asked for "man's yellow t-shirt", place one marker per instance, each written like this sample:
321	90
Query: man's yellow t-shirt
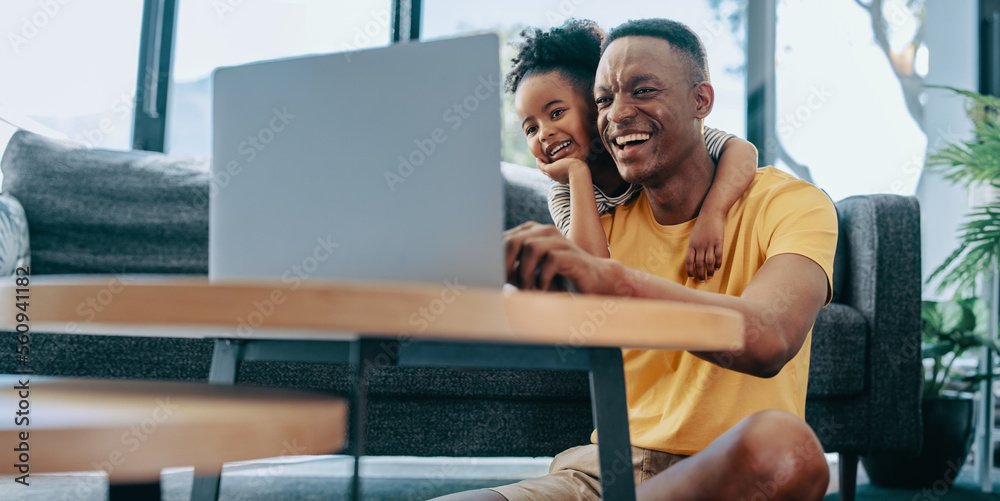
677	402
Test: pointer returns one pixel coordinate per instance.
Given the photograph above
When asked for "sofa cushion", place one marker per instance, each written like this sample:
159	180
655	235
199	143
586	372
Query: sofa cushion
839	345
13	236
101	211
525	195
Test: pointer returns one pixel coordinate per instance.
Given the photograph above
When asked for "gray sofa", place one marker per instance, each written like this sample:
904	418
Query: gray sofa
95	211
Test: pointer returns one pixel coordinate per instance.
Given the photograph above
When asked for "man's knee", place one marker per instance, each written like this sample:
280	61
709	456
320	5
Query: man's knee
783	454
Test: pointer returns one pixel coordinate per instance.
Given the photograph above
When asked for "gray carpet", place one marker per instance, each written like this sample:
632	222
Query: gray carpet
303	478
964	489
385	478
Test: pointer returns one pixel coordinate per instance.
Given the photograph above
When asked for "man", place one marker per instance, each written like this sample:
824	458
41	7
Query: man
717	425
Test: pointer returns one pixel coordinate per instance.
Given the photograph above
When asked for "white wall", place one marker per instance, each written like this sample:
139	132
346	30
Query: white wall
952	38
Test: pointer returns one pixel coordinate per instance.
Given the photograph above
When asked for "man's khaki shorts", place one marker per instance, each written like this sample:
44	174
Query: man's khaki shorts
575	475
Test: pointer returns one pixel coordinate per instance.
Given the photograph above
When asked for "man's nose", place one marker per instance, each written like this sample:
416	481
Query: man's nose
620	111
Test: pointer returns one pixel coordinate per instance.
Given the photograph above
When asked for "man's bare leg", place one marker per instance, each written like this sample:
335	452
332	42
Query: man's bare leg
477	495
771	455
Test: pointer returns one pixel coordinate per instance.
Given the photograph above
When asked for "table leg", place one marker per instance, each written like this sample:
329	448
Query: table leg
225	361
607	397
848	476
206	484
134	492
363	357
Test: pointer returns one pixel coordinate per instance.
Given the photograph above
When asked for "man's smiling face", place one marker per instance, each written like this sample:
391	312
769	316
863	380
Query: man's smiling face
648	109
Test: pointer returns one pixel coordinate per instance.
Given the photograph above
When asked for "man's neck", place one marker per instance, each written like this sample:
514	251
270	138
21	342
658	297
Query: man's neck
678	198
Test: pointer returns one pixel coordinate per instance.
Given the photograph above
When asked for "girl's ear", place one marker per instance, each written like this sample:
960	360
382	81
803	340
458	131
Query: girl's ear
704	99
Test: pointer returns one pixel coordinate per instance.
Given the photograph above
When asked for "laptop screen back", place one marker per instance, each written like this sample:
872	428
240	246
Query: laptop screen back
382	164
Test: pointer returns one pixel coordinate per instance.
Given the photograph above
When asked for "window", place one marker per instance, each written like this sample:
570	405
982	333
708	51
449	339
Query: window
226	33
718	22
848	108
69	69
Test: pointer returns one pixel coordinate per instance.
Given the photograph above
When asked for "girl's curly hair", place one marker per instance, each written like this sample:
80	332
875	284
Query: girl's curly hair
573	49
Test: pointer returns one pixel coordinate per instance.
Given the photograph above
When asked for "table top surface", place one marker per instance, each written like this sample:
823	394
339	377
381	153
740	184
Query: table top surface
133	429
193	307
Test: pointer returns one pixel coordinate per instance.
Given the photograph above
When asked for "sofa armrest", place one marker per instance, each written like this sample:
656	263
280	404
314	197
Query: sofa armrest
14	241
882	280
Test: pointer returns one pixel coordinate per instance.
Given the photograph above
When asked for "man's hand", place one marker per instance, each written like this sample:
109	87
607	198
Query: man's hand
534	254
559	171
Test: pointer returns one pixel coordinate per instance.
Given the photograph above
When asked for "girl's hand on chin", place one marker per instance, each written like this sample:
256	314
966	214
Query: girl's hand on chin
559	171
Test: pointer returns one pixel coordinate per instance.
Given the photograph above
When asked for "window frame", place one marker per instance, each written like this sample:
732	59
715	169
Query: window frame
761	83
156	47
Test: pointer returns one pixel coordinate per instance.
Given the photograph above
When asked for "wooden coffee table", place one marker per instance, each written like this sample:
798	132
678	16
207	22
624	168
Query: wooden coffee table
134	429
378	323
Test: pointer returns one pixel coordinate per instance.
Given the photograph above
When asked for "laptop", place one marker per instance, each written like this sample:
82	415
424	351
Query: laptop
379	164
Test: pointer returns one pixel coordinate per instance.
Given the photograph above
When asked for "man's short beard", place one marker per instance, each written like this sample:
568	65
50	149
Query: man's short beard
640	176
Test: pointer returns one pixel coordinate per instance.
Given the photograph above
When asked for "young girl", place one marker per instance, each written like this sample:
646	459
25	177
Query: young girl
552	81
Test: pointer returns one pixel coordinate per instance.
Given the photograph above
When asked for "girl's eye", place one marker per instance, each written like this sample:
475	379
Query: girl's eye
556	113
530	130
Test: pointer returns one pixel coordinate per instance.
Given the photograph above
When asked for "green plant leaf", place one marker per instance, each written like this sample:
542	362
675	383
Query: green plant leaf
983	99
966	340
932	320
937	350
956	317
980	311
978	251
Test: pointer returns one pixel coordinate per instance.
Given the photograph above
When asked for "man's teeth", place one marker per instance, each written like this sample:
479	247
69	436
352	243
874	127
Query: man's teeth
561	146
621	140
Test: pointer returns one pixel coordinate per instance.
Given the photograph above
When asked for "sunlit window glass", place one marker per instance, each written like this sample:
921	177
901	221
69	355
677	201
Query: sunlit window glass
849	94
227	33
69	69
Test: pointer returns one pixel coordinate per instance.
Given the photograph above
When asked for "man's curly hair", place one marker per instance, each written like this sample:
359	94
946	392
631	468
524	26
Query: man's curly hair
573	50
685	41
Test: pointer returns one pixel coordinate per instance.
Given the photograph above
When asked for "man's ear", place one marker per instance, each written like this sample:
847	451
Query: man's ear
704	99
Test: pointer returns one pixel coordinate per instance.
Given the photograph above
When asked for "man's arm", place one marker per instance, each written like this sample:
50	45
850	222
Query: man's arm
779	304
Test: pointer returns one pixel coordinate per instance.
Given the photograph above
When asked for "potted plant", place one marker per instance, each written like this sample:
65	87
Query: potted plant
950	328
971	164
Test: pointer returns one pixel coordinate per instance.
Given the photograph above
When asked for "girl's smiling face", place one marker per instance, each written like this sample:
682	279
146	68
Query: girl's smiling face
558	119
